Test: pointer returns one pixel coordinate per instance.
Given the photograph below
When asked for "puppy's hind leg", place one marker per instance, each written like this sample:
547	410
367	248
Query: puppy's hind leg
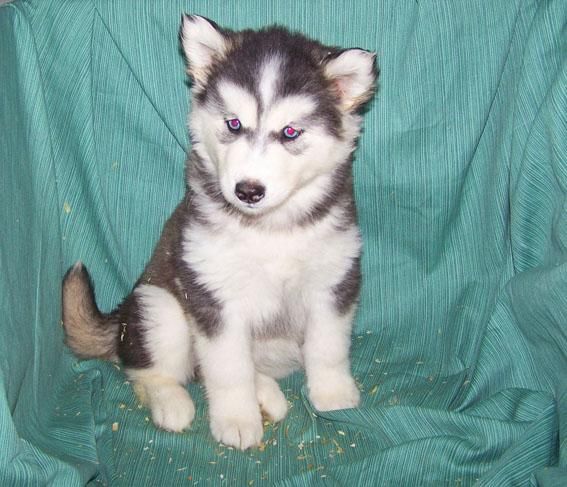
171	406
270	398
165	337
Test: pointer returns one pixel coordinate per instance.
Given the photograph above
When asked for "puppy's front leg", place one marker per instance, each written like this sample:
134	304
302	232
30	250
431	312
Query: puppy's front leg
228	374
326	354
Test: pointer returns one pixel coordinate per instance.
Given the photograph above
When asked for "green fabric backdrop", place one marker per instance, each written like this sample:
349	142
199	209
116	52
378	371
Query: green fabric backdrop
460	345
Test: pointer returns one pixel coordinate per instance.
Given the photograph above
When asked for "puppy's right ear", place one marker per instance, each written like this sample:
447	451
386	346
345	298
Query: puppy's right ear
203	42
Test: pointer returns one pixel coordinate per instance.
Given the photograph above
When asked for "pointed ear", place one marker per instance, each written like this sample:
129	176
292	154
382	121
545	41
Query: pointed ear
353	73
203	42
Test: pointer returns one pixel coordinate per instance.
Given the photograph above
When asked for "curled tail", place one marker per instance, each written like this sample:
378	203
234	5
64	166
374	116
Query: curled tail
89	333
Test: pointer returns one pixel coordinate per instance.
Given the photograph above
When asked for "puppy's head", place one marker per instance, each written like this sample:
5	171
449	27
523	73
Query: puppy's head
274	113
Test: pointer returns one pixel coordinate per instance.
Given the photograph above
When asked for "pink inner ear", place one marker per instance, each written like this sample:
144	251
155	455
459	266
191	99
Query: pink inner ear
341	86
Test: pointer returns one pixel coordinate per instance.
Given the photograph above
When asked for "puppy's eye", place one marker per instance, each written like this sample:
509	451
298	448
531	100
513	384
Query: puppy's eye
233	125
291	133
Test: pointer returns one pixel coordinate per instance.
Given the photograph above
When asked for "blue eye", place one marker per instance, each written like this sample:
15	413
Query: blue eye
290	133
233	125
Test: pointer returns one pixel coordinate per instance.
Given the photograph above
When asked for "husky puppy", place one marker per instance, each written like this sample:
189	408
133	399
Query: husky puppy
257	271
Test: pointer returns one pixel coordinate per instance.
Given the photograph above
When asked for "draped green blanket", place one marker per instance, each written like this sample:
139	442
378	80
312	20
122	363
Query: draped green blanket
460	346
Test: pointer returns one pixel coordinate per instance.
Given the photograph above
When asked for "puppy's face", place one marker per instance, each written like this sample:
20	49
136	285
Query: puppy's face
272	111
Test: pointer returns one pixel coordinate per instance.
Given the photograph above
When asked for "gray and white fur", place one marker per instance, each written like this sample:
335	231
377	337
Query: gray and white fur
257	272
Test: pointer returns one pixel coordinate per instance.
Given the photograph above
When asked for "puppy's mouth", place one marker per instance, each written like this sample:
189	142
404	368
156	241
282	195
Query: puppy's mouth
253	210
248	209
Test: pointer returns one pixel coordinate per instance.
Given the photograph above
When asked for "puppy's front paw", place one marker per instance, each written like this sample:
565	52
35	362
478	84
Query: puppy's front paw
338	392
239	431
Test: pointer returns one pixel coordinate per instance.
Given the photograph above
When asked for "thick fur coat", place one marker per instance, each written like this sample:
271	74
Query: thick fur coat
257	272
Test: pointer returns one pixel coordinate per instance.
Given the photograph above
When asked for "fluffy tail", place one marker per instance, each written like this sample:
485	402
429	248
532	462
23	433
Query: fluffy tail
89	333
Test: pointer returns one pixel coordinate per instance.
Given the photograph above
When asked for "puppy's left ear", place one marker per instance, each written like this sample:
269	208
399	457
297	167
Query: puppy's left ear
353	74
203	42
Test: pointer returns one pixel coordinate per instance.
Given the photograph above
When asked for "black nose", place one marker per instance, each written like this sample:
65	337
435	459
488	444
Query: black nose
249	191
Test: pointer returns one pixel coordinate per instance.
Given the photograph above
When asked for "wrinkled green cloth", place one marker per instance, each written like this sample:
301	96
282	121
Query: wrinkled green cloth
460	345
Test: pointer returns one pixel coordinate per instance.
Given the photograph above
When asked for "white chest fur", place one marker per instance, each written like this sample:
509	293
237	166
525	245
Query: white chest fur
258	275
